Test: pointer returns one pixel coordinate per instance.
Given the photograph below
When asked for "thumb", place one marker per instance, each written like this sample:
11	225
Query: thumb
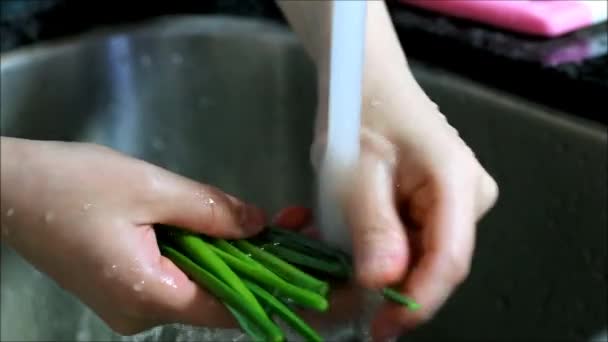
204	209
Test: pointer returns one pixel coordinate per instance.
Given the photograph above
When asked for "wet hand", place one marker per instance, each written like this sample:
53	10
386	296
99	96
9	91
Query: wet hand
84	214
412	206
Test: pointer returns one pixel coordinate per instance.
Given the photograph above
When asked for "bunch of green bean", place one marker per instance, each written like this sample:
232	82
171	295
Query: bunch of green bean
263	276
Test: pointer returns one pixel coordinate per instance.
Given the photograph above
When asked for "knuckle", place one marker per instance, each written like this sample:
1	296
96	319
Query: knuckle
153	182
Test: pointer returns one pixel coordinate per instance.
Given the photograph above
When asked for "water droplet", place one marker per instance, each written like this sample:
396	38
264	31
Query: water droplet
10	212
168	281
110	272
86	206
176	59
249	255
239	338
49	216
210	201
138	286
276	243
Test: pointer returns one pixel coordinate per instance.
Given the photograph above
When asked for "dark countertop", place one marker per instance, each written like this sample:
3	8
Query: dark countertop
557	72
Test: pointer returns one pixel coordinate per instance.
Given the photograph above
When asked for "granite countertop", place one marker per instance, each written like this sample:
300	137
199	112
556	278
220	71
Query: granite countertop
568	73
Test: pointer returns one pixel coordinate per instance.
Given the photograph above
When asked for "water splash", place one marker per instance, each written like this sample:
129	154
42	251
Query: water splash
83	332
10	212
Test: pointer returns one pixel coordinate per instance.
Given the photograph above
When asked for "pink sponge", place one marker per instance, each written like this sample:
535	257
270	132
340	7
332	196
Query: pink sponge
537	17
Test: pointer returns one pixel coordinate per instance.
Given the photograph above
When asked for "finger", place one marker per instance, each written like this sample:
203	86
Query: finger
183	301
185	203
311	232
446	241
379	240
293	218
487	194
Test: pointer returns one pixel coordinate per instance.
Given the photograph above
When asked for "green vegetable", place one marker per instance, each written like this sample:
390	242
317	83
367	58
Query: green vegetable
303	243
269	265
223	292
397	297
247	325
273	282
282	268
331	267
230	249
201	253
277	307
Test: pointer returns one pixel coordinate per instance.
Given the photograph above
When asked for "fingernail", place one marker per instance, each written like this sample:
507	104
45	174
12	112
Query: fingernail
252	217
378	269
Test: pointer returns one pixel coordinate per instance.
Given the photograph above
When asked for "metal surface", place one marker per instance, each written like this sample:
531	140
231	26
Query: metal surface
231	103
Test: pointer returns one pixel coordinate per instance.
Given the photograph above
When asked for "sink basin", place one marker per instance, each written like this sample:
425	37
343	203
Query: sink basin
231	102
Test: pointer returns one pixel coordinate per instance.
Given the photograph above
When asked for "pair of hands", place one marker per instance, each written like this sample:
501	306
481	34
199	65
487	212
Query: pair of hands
84	215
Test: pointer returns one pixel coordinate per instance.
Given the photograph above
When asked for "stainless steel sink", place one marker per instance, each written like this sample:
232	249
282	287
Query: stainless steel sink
231	102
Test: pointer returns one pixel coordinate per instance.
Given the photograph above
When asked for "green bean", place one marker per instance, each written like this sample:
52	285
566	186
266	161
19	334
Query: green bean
283	269
201	253
306	245
247	325
230	249
262	275
301	241
222	291
398	298
277	307
334	268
